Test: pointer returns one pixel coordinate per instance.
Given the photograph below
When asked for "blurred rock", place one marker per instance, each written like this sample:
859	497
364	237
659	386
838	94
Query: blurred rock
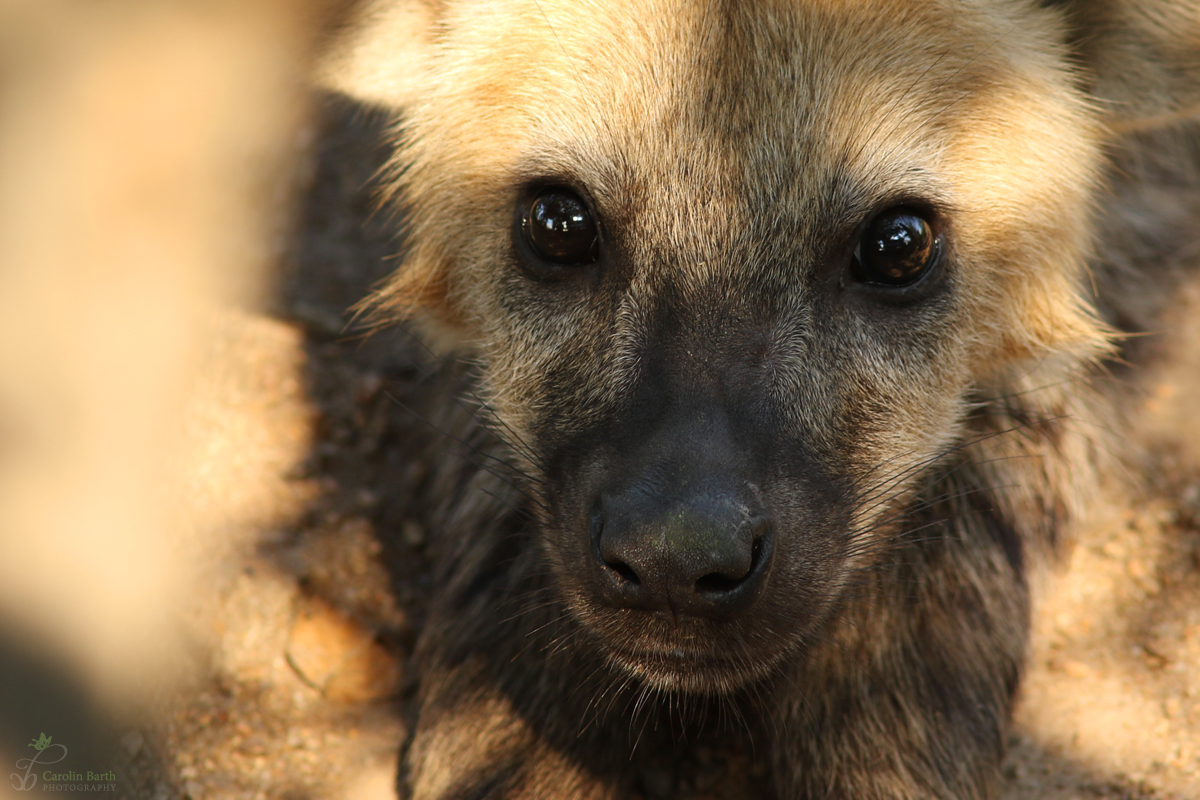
339	657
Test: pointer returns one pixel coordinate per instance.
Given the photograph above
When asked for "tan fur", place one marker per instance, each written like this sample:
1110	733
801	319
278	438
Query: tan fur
725	147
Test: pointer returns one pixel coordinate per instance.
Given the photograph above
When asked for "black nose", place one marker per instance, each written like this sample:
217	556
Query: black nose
705	553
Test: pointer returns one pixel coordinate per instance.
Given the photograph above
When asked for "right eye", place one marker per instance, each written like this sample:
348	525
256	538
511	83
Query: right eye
560	229
898	248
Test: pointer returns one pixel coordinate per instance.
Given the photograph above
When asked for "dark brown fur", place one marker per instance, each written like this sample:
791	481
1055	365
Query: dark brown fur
917	457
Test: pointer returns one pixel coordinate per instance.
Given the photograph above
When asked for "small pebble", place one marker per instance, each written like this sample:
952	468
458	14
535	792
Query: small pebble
412	534
1077	669
133	741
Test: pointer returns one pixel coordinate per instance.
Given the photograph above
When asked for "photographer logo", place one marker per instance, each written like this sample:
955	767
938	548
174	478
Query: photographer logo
47	753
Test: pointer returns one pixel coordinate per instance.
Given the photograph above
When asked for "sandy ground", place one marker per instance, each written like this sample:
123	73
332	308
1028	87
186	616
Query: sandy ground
308	488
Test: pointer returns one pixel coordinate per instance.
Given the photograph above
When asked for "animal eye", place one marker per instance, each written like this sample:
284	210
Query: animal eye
559	228
897	249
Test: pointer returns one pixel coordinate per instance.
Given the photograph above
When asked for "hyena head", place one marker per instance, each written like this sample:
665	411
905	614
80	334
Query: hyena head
733	272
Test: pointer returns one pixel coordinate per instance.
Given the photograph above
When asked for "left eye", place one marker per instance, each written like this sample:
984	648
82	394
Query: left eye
896	250
560	229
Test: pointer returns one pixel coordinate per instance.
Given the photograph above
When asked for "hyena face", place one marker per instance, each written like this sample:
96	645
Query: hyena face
733	271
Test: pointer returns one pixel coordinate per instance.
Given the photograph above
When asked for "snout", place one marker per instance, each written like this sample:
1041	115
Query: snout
702	551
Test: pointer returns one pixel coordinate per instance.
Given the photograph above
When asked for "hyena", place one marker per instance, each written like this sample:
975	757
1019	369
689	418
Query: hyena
787	320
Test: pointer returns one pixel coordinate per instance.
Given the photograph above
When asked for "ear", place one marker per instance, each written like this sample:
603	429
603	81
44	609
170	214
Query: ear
379	51
1143	57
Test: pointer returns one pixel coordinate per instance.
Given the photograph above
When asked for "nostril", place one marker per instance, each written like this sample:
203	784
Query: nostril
720	583
624	570
715	583
607	553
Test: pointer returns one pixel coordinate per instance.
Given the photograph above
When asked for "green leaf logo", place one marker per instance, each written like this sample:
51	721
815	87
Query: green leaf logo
41	743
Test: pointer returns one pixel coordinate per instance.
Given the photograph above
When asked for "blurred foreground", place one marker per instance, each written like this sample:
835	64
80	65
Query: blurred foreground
143	146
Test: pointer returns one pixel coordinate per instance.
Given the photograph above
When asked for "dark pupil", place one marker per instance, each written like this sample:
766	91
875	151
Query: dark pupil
561	229
896	248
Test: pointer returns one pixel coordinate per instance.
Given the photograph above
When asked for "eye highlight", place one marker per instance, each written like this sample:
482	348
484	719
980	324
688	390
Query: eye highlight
896	250
559	228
